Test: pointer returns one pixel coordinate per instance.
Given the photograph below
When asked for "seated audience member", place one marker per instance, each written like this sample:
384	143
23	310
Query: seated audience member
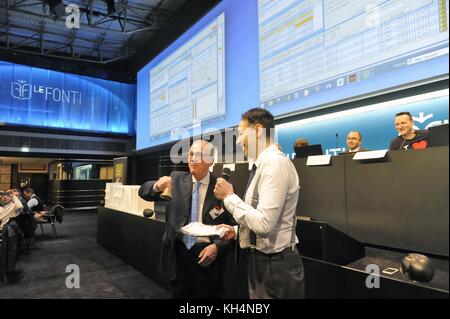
354	142
300	142
35	204
10	208
25	220
408	137
19	196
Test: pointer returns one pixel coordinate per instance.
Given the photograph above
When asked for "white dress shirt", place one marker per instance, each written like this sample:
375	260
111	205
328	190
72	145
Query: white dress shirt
354	150
204	182
13	209
202	193
203	189
277	183
32	202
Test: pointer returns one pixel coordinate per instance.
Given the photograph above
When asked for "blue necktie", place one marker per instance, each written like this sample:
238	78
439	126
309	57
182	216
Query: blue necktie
189	241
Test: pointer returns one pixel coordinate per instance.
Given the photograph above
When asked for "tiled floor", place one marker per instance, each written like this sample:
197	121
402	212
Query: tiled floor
41	271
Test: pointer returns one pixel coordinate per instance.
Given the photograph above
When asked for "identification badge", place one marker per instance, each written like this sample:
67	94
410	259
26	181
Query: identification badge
215	212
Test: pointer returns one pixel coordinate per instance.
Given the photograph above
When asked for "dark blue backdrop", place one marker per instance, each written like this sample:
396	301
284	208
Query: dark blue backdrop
33	96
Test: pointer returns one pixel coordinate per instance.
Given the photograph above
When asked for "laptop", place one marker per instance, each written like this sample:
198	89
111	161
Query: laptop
438	135
308	150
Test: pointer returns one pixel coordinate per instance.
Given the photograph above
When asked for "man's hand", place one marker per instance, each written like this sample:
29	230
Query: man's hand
163	183
222	189
229	234
208	255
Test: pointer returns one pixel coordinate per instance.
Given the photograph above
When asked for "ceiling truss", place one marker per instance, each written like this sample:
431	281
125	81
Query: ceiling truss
103	36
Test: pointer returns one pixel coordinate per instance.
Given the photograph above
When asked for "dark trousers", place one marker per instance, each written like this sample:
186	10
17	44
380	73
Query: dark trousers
193	280
276	276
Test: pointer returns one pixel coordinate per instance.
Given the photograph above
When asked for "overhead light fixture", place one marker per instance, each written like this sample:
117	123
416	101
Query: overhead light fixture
111	6
57	7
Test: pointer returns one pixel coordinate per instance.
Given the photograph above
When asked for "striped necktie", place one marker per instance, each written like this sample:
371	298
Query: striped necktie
189	241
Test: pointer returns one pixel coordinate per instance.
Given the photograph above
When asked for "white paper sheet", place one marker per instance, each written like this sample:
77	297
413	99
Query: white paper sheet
370	155
318	160
201	230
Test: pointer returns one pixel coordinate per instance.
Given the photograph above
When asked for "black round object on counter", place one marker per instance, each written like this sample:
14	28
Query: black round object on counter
418	267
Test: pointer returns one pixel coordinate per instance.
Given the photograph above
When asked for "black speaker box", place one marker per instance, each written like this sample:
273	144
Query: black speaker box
321	241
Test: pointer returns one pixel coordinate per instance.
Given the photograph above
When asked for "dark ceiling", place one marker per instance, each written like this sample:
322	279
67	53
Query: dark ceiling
114	40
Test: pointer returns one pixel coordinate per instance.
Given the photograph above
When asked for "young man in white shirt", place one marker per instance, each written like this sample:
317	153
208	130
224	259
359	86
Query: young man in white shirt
267	214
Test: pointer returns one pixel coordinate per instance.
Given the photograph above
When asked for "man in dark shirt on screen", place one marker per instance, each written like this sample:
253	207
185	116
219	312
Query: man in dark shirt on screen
408	137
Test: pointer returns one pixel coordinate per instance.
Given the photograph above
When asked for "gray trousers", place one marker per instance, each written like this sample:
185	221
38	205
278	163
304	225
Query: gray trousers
276	276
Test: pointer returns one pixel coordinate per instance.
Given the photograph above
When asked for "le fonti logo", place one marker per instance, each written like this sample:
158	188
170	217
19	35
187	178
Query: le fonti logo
21	90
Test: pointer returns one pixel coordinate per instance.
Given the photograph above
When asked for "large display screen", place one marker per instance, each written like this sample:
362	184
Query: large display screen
37	97
288	56
189	84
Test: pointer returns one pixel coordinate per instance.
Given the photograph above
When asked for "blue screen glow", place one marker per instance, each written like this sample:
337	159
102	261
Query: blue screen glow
38	97
288	56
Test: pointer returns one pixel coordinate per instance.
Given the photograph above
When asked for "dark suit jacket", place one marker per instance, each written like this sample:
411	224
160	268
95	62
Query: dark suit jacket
178	213
347	151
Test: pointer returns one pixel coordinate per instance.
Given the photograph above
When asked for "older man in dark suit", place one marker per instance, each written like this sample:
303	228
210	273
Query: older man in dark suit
191	262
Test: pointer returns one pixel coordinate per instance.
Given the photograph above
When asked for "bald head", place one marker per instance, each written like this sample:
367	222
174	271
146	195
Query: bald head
201	157
354	141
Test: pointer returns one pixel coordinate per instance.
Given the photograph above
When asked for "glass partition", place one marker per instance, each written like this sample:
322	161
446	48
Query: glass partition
81	170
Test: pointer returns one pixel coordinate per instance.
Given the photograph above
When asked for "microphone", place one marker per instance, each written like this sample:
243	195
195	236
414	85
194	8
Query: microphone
148	213
404	141
226	175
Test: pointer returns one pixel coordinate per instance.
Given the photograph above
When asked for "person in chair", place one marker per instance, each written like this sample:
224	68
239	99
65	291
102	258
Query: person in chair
10	208
35	205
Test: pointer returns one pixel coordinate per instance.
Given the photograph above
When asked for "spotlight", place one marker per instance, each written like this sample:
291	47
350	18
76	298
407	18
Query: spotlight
57	7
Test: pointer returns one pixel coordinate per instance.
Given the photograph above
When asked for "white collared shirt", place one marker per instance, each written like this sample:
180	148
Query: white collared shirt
355	150
12	209
277	183
32	202
203	189
202	193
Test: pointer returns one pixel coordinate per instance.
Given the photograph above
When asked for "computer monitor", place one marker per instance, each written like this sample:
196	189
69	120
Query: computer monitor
439	135
308	150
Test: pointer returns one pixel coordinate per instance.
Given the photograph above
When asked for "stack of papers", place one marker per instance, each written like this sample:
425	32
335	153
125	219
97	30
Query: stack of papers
201	230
